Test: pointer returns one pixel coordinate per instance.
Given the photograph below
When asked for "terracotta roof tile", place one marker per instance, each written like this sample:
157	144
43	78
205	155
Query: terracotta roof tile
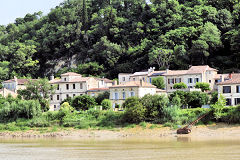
71	74
19	81
98	89
235	79
134	84
105	80
75	80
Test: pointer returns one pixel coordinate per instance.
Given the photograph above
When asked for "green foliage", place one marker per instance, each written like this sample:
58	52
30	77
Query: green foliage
106	104
218	107
214	97
155	105
135	111
180	85
38	90
203	86
83	102
102	96
159	82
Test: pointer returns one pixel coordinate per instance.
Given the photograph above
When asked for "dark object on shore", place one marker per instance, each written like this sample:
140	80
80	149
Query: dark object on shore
186	129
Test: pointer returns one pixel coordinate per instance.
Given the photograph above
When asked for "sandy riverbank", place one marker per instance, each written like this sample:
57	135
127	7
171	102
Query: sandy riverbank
198	132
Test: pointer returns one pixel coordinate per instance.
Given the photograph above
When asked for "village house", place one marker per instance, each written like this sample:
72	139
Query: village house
190	77
11	86
119	93
230	89
145	76
72	84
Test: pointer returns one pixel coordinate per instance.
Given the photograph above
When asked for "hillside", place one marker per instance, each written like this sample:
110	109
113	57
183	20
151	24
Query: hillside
103	38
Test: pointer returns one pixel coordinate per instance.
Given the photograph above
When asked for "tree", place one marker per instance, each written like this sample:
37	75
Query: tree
159	82
90	69
218	107
214	97
179	85
83	102
176	101
102	96
134	110
38	90
196	99
154	106
162	57
106	104
203	86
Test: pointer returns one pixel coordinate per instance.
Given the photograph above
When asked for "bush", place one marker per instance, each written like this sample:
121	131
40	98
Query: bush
172	114
180	85
214	97
203	86
159	82
135	111
154	105
102	96
106	104
196	99
83	102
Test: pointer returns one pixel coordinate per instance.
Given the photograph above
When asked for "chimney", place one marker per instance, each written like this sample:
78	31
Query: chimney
141	82
221	78
230	75
51	77
167	70
115	82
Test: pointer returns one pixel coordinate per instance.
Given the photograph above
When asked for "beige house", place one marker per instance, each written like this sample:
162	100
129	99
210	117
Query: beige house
118	93
190	77
94	92
230	89
145	76
70	85
5	92
15	84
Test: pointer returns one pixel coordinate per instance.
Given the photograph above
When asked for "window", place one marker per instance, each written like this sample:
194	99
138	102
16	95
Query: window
150	79
67	95
102	82
190	86
238	89
226	89
67	86
123	95
57	97
210	81
177	80
131	94
74	86
143	79
81	86
116	96
74	95
171	81
93	94
237	101
229	101
58	87
123	78
65	79
189	80
55	106
196	80
134	79
51	97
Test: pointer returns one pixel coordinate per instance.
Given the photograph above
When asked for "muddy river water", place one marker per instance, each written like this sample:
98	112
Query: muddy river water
119	149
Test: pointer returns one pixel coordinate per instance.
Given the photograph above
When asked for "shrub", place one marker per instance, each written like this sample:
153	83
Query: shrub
180	85
196	99
172	114
154	106
214	97
106	104
218	107
203	86
83	102
102	96
135	111
159	82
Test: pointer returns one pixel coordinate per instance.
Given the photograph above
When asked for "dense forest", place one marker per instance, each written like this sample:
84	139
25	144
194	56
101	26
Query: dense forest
105	37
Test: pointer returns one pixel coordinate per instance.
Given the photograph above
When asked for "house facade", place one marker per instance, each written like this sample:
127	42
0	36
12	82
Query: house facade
119	93
190	77
230	89
15	84
70	85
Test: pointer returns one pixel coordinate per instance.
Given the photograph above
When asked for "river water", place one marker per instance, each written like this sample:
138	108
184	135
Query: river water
119	149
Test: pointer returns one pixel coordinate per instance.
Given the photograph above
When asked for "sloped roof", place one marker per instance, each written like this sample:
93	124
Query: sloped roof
234	80
71	74
157	73
75	80
105	80
98	89
19	81
191	70
134	84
